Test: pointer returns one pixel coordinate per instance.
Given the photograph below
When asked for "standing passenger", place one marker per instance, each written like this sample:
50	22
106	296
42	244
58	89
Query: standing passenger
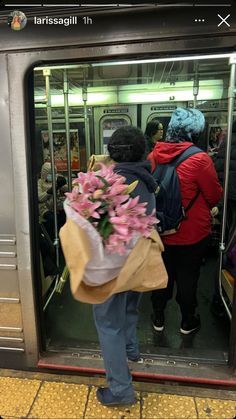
219	162
153	134
217	306
184	249
117	317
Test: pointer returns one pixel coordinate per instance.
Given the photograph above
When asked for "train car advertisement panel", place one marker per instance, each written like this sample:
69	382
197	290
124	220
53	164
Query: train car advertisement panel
60	150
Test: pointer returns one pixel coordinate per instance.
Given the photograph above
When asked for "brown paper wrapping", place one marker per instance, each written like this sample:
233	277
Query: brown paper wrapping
143	270
94	159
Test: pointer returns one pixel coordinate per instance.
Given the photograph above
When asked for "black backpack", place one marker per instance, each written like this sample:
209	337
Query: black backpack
169	208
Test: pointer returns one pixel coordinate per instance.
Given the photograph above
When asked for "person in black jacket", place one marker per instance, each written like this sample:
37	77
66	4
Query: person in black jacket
153	133
117	317
217	306
219	162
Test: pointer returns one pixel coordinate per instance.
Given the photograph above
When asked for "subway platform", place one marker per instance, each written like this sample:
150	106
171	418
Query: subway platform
50	396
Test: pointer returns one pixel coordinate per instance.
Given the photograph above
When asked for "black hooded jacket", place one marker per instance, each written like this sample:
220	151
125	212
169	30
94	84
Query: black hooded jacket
146	187
219	165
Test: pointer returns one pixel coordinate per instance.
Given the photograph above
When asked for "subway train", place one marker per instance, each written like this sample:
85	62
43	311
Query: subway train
63	93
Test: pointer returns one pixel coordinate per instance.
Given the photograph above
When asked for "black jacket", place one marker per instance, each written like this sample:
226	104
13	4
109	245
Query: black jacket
146	187
219	165
149	145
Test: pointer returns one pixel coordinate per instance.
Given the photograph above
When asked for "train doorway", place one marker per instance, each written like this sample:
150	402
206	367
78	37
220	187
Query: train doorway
81	123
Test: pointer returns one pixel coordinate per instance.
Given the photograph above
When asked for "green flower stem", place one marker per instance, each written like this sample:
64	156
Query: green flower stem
62	281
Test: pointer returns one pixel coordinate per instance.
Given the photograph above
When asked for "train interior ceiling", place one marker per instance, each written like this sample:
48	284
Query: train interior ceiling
93	100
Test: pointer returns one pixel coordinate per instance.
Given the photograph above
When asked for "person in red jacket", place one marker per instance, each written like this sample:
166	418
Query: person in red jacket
185	249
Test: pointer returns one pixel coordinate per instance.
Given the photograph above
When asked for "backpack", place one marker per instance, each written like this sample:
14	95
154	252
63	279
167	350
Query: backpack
169	208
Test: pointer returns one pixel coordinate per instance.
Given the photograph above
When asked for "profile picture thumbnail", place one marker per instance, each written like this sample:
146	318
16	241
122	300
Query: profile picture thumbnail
17	20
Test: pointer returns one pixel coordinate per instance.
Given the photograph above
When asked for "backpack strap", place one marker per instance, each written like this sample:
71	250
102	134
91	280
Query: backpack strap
190	204
181	158
190	151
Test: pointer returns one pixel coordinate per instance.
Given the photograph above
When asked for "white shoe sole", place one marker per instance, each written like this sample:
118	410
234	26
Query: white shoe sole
187	332
158	328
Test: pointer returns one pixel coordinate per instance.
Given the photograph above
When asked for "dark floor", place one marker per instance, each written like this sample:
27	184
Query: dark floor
70	324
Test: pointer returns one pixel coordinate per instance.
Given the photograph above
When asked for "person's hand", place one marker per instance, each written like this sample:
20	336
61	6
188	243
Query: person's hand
61	181
214	211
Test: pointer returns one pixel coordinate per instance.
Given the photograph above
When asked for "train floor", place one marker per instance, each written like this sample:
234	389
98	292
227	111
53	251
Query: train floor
69	324
48	396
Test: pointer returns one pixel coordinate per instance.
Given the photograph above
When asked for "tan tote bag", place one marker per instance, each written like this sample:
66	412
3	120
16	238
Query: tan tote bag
144	269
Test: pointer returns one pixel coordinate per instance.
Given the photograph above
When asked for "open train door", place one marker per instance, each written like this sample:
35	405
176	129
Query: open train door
71	337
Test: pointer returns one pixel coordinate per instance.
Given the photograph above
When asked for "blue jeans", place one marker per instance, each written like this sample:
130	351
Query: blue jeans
116	321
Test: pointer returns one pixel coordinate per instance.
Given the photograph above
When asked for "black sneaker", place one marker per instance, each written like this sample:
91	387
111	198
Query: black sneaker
158	320
139	360
105	396
190	325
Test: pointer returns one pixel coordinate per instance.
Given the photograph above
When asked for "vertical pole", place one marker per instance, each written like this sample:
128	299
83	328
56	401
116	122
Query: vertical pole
195	84
86	123
231	95
47	74
67	125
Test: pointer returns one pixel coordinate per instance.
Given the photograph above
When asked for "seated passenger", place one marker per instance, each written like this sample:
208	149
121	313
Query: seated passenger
185	248
45	199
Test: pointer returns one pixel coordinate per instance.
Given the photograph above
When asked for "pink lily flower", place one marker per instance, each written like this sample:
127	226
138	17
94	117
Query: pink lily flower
101	198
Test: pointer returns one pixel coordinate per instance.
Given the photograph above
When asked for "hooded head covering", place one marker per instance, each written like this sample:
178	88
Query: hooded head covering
46	170
185	124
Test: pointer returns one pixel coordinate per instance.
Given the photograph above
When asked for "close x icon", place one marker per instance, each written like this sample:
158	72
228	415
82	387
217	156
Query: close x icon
224	20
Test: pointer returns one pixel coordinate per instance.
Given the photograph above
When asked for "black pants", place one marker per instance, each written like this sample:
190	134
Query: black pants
231	219
183	265
49	222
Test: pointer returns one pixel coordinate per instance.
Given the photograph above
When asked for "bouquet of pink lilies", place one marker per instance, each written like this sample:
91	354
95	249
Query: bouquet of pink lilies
104	200
101	204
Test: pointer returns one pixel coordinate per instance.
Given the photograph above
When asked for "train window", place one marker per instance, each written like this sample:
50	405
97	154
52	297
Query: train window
108	125
119	72
160	117
77	108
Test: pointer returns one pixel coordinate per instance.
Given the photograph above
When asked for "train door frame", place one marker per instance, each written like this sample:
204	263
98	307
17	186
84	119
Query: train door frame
18	65
118	117
12	346
158	110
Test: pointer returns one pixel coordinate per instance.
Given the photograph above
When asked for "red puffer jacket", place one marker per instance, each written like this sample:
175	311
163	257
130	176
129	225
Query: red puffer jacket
196	173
